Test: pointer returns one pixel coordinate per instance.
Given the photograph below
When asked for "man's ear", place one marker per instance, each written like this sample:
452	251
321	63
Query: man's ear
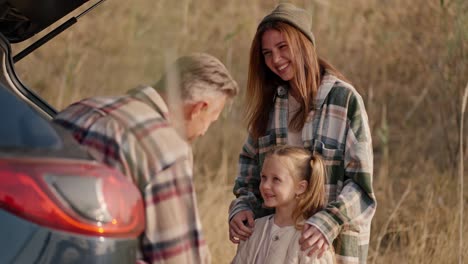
194	109
302	187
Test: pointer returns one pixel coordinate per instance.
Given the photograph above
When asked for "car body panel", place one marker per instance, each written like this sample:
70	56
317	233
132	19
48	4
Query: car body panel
24	127
26	132
29	243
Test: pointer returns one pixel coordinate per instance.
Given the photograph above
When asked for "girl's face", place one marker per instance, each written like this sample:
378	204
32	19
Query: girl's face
277	55
277	186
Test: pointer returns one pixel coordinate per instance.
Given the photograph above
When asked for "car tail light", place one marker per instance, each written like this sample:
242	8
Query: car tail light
75	196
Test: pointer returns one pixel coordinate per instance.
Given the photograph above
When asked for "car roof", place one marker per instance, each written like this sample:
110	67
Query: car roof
22	19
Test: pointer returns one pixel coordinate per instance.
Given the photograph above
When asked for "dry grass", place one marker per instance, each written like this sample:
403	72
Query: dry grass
409	60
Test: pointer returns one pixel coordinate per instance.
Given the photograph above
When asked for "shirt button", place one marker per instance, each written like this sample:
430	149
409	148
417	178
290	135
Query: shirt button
275	238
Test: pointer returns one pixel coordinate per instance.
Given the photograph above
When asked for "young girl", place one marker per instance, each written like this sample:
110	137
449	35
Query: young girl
292	182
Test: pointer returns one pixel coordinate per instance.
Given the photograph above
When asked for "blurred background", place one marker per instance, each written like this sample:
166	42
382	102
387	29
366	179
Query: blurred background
408	59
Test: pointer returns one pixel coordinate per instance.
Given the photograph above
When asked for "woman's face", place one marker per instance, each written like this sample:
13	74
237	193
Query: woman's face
276	53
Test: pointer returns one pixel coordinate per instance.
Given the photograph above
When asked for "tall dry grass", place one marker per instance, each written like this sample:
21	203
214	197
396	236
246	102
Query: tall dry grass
409	60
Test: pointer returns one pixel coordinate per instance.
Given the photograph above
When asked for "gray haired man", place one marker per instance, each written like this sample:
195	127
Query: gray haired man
137	134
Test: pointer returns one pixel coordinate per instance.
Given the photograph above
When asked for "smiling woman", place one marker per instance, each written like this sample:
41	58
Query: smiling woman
329	119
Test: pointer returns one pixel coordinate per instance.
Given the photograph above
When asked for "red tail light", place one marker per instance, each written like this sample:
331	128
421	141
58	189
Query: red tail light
75	196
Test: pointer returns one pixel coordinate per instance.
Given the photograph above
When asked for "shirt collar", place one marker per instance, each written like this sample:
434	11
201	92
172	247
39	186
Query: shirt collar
324	89
151	97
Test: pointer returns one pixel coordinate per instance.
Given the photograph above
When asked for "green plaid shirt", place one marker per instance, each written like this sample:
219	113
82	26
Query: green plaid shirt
338	130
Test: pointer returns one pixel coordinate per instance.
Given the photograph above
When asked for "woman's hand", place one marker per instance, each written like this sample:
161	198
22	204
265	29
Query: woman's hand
314	240
241	226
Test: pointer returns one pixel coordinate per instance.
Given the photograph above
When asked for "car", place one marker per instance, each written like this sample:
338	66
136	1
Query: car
57	204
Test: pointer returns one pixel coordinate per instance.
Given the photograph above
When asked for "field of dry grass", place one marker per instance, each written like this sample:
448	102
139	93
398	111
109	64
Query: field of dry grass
408	59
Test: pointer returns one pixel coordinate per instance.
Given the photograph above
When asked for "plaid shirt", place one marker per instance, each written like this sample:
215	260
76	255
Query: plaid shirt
133	134
338	130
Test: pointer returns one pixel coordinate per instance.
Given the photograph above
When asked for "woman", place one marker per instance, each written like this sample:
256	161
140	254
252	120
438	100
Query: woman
296	98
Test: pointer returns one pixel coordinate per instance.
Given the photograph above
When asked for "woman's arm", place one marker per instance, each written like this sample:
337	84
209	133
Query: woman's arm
355	205
246	187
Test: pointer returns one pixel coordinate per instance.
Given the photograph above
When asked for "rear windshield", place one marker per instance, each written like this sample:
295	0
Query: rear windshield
22	127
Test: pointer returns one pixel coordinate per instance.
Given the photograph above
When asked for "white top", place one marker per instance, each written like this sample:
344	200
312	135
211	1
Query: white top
294	138
274	233
275	245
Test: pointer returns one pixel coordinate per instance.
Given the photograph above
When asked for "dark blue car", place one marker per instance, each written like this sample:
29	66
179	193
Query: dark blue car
57	204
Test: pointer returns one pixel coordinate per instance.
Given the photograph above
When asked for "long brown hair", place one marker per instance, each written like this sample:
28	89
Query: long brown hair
303	165
262	82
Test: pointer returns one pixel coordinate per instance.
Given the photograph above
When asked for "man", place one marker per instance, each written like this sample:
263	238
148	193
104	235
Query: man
138	134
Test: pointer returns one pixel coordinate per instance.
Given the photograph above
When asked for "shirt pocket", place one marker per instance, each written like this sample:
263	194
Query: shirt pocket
327	153
333	159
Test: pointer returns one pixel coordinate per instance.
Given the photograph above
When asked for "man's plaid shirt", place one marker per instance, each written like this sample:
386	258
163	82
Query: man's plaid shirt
133	134
338	130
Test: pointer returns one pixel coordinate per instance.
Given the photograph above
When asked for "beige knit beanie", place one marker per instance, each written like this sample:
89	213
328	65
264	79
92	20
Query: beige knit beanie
294	16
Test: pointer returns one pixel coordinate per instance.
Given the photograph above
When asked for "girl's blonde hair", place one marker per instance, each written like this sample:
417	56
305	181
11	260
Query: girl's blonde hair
303	165
262	82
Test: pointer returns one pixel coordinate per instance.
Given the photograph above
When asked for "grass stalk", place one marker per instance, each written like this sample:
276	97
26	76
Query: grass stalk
461	174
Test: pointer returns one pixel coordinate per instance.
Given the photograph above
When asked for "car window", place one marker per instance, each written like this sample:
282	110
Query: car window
22	126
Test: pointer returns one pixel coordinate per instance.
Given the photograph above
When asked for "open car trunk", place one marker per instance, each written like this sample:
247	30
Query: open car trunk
21	19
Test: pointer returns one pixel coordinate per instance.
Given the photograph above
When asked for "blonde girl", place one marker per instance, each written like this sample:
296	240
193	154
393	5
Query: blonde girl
292	182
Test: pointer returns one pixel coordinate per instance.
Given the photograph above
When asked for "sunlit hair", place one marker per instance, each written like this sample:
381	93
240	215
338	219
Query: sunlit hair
302	165
262	82
200	75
